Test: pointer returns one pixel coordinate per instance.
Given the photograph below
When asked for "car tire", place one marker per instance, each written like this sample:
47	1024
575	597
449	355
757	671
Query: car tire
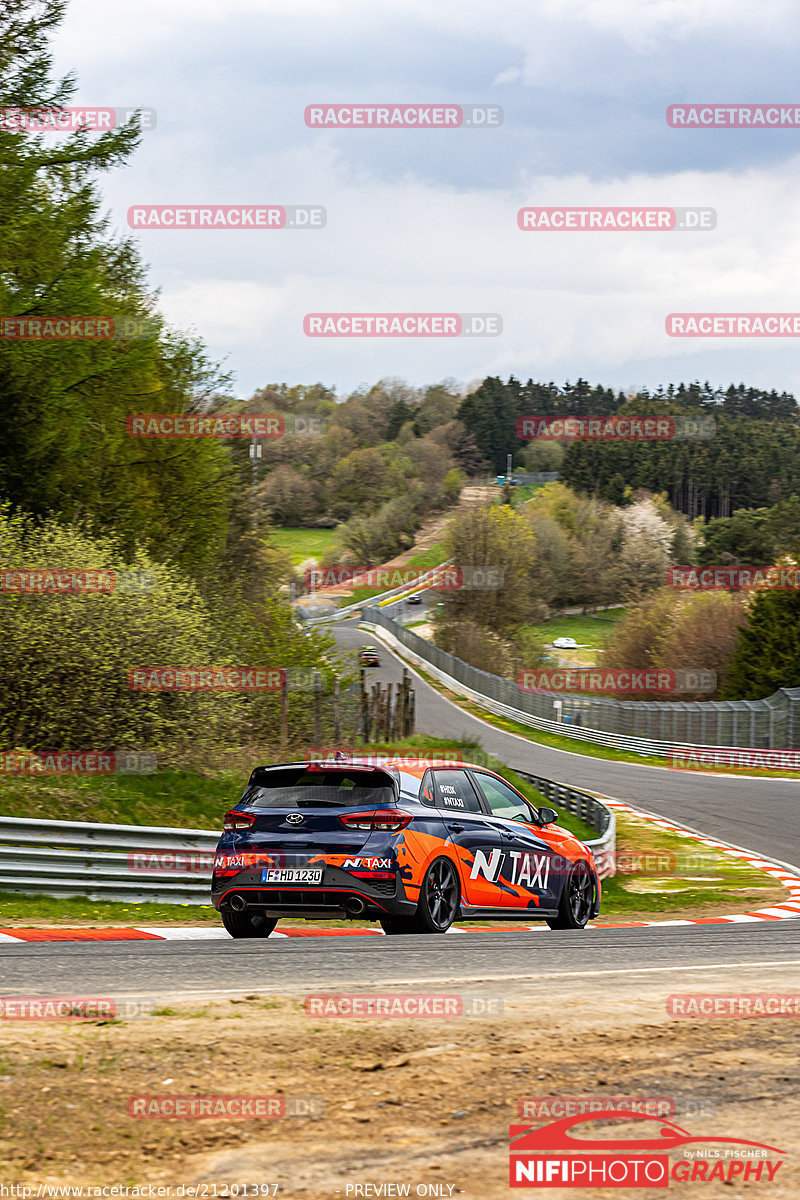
247	924
577	899
439	898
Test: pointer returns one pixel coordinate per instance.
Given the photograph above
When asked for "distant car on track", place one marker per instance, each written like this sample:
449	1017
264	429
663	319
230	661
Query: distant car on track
414	598
565	643
368	656
414	847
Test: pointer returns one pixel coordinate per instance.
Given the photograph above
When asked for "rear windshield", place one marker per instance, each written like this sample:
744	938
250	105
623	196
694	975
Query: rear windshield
298	787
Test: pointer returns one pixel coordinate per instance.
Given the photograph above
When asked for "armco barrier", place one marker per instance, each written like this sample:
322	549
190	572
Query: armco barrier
591	811
78	858
638	726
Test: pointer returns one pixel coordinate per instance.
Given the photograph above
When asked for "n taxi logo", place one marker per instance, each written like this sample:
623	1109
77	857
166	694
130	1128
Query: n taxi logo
533	869
552	1156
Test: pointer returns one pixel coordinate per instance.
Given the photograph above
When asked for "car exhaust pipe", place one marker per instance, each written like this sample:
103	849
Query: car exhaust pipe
354	905
238	903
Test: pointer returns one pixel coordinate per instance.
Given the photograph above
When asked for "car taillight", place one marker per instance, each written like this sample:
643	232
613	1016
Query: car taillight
372	875
387	819
237	820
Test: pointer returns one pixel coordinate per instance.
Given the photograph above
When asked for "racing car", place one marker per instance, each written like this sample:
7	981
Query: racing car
368	656
413	847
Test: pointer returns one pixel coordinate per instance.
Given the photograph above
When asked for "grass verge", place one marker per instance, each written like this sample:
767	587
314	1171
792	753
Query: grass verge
183	799
303	543
666	875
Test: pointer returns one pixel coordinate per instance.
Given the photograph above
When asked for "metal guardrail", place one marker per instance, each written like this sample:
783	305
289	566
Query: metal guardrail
80	858
761	724
591	811
115	862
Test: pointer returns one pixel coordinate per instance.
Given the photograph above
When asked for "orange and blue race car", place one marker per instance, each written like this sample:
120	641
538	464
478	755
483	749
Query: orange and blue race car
413	847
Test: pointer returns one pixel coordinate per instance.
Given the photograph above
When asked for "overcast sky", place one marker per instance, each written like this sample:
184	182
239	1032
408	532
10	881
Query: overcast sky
425	220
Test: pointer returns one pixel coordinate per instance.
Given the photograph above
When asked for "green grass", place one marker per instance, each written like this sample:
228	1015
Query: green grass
584	630
702	878
422	562
68	909
303	543
175	798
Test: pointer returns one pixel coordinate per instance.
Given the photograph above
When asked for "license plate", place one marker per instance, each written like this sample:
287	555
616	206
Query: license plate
287	875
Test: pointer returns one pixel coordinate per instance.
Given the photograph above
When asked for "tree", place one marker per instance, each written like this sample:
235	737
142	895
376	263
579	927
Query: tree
679	631
490	415
461	445
767	655
378	537
646	546
497	539
288	497
542	456
63	404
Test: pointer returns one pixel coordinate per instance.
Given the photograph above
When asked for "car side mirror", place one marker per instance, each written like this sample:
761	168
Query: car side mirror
547	816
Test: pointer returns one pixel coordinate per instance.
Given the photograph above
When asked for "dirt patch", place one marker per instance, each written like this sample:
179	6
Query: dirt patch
413	1102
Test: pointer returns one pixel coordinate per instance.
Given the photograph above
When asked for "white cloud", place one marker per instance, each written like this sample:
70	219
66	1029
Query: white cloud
428	223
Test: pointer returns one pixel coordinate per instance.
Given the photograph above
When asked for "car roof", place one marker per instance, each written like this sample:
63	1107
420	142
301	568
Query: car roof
406	764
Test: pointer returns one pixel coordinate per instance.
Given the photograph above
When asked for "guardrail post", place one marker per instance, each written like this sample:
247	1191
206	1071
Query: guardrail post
284	722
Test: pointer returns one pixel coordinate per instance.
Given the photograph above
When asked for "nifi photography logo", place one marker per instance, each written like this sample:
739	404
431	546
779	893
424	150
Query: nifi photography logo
559	1155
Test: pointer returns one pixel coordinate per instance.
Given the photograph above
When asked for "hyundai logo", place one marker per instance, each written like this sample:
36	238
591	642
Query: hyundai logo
295	818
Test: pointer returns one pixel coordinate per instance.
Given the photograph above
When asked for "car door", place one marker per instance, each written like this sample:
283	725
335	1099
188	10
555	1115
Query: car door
471	830
532	866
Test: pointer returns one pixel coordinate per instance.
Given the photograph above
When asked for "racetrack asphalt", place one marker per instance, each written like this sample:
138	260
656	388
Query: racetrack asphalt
181	970
758	814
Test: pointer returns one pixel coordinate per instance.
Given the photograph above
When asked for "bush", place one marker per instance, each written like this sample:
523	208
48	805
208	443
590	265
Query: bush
693	631
65	659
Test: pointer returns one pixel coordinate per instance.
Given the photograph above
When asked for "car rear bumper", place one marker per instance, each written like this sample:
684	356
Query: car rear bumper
313	903
339	895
